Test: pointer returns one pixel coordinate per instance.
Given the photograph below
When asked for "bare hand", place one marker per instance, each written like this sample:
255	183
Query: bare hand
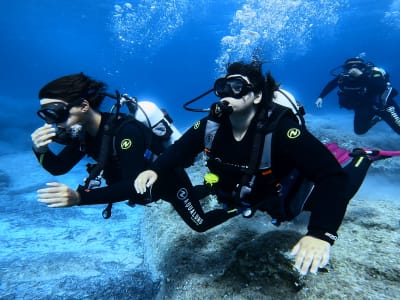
145	180
58	195
311	253
318	103
42	137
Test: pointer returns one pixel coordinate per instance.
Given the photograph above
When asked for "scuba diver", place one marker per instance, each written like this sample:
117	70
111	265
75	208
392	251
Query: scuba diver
367	90
259	154
121	145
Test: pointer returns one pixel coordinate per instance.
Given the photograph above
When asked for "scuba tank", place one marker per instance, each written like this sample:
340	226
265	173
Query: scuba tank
158	120
285	98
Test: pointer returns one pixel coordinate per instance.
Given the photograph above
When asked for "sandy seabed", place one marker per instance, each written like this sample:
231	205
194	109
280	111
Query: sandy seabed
229	261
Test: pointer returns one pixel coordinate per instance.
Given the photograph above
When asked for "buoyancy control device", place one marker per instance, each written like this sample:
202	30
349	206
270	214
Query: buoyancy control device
147	113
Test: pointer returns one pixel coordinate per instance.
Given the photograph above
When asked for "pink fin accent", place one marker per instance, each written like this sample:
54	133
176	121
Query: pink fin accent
341	155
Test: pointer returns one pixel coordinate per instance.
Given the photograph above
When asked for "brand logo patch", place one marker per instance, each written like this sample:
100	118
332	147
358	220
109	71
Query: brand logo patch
293	133
126	144
182	194
197	125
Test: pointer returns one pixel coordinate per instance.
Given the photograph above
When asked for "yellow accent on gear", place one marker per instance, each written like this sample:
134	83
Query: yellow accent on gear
358	162
211	178
293	133
126	144
41	158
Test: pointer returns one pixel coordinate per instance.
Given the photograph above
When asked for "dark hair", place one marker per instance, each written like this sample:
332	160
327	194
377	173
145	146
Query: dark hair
354	62
71	88
254	73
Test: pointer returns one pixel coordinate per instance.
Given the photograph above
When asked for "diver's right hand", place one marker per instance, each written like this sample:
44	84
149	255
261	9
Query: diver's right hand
58	195
42	137
219	109
145	180
318	103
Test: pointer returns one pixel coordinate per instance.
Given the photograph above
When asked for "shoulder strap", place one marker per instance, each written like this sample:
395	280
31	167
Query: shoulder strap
105	148
274	116
258	143
209	134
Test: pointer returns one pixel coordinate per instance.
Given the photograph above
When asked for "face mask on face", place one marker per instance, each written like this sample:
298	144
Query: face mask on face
56	112
234	87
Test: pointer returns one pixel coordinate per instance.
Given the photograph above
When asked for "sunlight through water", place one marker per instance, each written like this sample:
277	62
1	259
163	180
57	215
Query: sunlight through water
271	29
145	25
392	16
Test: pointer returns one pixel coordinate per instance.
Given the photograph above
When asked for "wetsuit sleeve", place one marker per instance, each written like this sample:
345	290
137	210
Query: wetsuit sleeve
130	145
329	87
176	188
61	163
174	185
183	151
296	147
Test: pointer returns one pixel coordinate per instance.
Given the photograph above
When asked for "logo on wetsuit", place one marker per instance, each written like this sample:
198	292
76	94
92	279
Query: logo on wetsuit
182	195
293	133
126	144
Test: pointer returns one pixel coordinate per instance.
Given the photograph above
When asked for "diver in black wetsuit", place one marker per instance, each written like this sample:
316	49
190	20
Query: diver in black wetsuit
367	90
245	99
72	103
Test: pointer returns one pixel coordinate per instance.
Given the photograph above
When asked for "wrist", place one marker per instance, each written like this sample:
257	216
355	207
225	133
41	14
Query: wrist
78	199
79	192
40	150
323	235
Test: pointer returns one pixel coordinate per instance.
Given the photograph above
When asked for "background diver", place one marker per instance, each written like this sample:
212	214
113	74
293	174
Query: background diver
367	90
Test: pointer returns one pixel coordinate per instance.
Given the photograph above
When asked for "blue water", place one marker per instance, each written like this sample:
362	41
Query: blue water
170	51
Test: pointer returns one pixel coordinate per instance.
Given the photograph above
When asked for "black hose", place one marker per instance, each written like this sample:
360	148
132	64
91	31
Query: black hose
186	105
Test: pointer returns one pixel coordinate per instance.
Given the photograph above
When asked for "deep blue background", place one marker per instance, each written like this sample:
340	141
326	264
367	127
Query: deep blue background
45	39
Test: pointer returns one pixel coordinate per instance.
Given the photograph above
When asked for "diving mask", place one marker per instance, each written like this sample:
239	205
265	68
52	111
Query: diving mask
56	112
233	86
354	63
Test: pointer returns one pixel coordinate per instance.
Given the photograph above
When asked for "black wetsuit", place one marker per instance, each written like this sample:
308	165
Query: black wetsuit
363	95
122	168
292	147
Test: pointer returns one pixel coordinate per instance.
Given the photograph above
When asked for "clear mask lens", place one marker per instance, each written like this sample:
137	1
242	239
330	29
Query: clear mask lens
234	87
54	113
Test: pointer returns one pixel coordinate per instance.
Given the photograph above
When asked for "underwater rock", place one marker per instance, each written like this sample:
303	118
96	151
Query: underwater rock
264	263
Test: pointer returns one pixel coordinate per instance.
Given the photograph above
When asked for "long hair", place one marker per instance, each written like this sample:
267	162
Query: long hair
73	87
267	85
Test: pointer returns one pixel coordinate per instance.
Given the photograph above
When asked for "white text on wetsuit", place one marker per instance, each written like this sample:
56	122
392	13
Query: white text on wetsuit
183	195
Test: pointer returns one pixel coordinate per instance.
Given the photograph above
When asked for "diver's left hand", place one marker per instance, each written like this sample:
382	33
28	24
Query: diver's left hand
58	195
311	253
